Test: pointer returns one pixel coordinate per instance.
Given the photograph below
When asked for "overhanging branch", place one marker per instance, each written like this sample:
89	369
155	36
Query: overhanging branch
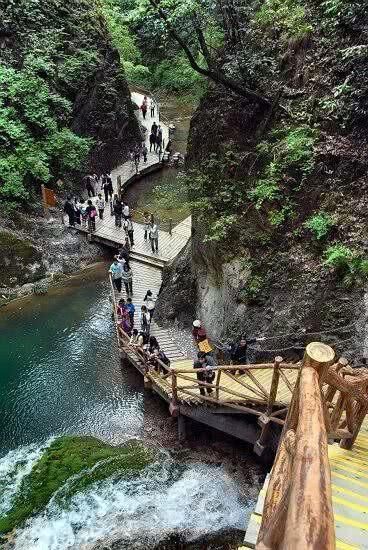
211	72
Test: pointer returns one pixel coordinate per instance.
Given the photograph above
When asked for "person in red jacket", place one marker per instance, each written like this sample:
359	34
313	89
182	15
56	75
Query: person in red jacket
198	332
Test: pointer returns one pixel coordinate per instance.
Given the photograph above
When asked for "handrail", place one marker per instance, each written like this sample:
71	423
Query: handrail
298	505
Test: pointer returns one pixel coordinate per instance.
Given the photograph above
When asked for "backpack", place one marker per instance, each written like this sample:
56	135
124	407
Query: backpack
93	213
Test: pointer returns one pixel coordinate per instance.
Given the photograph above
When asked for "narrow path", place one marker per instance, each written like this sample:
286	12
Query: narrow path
127	170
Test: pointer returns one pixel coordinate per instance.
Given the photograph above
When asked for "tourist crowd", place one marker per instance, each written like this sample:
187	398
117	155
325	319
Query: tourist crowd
84	212
140	337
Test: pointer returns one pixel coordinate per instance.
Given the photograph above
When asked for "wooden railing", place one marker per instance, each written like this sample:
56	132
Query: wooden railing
298	507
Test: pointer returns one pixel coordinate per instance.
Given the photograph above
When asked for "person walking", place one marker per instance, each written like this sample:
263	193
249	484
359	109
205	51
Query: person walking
89	186
137	158
100	203
105	188
91	216
153	235
239	351
126	210
149	303
144	110
116	270
118	211
131	308
127	278
145	321
144	152
154	129
83	211
206	376
77	212
198	332
152	141
129	229
69	210
110	186
159	140
152	106
147	222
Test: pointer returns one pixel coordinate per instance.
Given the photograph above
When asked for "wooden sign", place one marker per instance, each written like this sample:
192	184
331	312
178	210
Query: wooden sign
205	346
48	196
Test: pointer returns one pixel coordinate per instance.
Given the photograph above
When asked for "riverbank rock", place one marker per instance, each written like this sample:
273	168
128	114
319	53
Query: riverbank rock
35	251
21	261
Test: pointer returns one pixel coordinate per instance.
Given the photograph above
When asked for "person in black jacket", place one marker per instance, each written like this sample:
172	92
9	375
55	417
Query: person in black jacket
69	210
239	351
118	211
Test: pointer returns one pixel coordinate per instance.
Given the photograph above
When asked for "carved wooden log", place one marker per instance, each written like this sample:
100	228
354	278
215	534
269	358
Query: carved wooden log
293	517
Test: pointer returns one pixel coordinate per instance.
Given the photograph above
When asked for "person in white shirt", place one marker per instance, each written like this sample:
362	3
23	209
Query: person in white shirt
126	211
149	302
116	270
100	203
145	320
129	230
153	106
153	234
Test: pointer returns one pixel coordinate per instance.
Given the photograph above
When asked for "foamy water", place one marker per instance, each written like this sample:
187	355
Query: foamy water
13	468
139	511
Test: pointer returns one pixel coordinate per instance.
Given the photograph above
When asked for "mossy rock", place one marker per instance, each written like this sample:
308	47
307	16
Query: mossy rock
21	261
62	462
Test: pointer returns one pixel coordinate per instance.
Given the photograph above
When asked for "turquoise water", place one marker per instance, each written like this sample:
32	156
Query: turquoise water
60	371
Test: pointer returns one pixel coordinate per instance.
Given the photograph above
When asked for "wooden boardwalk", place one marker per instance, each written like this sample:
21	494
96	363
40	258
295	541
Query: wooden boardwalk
170	245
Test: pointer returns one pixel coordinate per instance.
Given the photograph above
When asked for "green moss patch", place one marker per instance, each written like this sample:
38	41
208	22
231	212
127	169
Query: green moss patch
68	466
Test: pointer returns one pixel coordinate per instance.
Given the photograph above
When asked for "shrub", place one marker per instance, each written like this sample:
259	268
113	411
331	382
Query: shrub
138	74
320	225
348	263
289	151
287	16
34	140
339	256
176	74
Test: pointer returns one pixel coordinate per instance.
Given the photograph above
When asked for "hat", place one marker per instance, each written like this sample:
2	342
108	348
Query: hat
197	323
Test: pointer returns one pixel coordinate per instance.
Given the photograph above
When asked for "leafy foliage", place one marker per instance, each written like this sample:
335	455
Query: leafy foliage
320	225
348	264
33	140
288	157
286	16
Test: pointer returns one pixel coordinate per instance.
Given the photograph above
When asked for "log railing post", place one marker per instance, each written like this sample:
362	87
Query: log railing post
264	420
173	407
218	378
298	506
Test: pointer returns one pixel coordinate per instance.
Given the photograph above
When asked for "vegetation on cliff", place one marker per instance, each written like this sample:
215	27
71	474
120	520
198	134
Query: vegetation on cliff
277	166
63	96
69	465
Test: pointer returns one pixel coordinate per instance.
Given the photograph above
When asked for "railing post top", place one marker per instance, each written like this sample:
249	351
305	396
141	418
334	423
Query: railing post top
318	355
278	359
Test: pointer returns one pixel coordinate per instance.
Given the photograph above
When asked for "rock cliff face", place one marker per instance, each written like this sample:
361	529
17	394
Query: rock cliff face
280	194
